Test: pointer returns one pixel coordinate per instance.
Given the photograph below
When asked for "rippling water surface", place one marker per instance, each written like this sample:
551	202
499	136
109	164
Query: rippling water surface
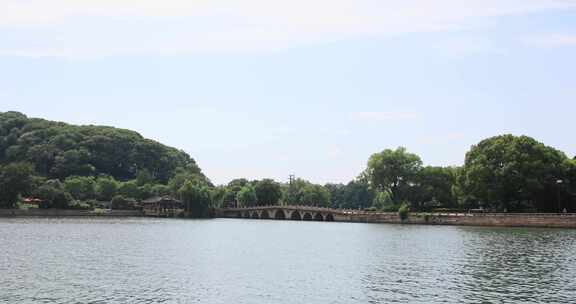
138	260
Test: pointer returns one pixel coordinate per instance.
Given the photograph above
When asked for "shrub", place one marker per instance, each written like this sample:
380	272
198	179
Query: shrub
121	203
403	211
77	205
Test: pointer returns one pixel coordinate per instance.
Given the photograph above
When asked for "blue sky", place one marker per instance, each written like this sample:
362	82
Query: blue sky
260	89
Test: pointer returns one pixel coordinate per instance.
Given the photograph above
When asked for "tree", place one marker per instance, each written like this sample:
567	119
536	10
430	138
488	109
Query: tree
233	188
160	190
106	188
357	195
268	192
146	191
196	199
59	150
571	175
182	176
15	179
514	173
81	187
315	195
247	196
53	195
393	171
292	193
433	188
144	177
570	186
218	195
337	195
383	202
129	190
72	162
122	203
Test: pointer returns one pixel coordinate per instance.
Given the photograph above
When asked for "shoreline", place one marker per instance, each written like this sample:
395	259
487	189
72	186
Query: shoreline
527	220
10	213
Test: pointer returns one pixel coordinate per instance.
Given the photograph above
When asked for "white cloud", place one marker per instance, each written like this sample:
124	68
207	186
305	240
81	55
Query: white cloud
114	27
552	40
382	116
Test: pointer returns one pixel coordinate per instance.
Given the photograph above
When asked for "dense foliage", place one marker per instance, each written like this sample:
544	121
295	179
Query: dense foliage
15	179
66	166
503	173
515	174
58	150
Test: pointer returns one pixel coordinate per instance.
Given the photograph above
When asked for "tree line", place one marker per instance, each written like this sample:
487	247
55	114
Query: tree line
68	166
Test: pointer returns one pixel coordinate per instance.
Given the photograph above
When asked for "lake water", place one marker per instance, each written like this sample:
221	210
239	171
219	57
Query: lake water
143	260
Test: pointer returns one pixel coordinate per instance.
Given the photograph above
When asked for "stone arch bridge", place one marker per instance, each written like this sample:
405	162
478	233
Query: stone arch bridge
307	213
297	213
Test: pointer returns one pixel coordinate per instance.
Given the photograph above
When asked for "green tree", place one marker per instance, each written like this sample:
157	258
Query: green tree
218	195
59	150
383	202
53	195
196	199
106	188
337	195
268	192
182	176
433	188
15	179
514	173
144	177
129	190
146	191
315	195
160	190
233	188
357	195
71	162
247	196
81	187
122	203
292	193
393	171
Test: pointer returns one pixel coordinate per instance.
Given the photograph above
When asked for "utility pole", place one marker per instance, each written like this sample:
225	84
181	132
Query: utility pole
558	185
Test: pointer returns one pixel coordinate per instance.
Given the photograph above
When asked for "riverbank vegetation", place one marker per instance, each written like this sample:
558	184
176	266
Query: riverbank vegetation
83	167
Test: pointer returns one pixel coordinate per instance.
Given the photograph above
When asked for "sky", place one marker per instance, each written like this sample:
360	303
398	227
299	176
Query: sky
265	89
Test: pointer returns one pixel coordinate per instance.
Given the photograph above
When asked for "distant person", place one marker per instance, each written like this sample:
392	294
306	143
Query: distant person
564	210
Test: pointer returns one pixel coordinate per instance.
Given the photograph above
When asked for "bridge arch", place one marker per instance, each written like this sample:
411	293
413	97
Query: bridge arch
329	217
246	214
307	216
295	216
265	215
254	215
280	214
318	217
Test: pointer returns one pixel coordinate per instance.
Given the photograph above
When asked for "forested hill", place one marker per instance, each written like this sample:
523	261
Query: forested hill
59	150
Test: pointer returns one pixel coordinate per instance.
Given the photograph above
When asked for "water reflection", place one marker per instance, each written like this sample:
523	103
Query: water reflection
518	266
473	265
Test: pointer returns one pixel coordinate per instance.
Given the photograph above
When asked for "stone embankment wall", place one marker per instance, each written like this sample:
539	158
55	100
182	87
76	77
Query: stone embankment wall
489	219
57	212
